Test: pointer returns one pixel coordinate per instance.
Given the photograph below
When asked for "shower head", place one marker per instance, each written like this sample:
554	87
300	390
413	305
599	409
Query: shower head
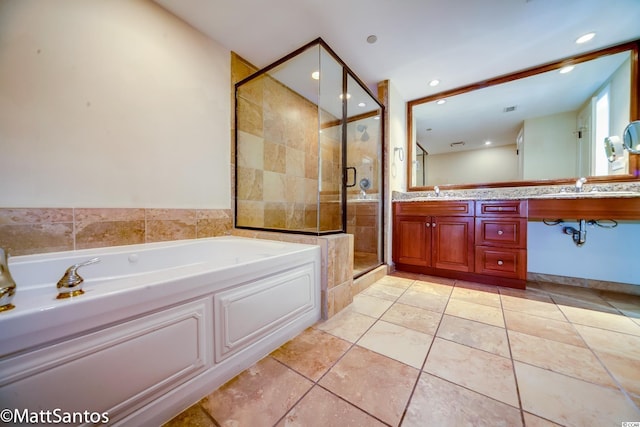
363	129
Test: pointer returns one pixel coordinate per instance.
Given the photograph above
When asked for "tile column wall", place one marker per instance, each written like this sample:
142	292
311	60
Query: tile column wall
337	265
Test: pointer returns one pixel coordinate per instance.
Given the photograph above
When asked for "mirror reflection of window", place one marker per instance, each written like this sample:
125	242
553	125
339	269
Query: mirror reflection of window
421	165
602	131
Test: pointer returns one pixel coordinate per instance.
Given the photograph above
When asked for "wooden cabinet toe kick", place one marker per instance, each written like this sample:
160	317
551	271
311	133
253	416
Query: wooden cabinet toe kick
460	275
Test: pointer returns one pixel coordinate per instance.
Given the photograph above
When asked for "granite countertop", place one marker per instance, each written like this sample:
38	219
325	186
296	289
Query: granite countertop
631	189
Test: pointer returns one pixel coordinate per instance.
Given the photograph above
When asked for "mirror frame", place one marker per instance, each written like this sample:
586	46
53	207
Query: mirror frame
627	138
634	159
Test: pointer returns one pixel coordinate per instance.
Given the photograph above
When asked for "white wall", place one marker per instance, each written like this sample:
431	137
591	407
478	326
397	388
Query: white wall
110	104
496	164
397	124
608	254
550	134
397	176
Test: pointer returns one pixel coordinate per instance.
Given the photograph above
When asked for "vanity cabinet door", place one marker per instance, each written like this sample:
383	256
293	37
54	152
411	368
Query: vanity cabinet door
453	247
434	235
412	240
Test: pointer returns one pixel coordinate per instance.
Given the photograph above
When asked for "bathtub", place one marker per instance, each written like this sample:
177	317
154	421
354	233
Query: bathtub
159	325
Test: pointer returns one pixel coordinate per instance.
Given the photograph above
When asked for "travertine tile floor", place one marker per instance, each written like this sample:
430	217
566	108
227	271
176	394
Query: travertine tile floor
423	351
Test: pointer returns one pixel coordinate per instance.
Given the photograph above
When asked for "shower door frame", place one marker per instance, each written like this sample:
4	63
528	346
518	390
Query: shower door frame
346	72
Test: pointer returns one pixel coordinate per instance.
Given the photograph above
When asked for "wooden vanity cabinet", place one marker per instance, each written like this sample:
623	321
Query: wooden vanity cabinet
482	240
501	238
434	236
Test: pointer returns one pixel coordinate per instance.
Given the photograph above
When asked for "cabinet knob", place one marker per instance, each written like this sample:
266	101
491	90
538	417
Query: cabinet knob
500	232
428	224
500	262
433	224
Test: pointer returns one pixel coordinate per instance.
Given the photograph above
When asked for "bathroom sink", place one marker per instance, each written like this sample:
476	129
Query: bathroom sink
589	194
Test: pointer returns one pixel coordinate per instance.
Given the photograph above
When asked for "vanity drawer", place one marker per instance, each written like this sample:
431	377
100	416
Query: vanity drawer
503	262
435	208
503	232
512	208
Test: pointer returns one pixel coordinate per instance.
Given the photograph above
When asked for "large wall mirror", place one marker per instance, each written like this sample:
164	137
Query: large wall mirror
543	125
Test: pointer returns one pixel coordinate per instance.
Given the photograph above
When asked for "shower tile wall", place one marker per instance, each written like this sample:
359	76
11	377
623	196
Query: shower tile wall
26	231
364	155
337	250
277	157
362	222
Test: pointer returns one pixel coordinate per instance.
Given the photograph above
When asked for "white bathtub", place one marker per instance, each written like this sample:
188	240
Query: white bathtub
158	327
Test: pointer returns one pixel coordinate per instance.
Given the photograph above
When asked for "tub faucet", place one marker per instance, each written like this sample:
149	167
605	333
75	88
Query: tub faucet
70	285
7	284
437	190
579	183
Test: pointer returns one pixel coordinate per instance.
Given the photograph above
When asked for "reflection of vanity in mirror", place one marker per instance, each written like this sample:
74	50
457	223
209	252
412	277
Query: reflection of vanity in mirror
544	125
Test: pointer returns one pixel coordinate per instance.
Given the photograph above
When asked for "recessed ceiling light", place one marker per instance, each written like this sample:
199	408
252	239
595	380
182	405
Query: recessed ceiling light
362	104
434	82
372	39
487	143
567	69
348	96
376	118
585	38
441	101
315	75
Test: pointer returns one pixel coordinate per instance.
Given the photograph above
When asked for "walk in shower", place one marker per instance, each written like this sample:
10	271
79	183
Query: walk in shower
309	155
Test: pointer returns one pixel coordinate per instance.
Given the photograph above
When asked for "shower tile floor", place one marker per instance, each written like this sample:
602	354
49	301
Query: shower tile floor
416	350
364	261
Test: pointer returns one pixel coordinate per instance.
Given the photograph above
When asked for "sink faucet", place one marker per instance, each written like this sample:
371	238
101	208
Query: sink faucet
437	190
579	183
70	285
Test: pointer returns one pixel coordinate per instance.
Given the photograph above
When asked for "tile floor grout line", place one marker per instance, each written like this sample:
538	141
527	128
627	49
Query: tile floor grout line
621	388
618	387
587	346
624	391
352	404
513	364
215	422
568	376
354	344
425	359
424	362
315	382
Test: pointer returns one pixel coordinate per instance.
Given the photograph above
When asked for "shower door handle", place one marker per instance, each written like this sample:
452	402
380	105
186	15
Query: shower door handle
346	177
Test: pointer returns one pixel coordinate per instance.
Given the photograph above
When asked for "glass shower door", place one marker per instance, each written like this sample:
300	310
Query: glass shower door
364	186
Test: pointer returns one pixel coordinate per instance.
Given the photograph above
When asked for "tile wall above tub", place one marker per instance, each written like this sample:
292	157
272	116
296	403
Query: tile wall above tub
25	231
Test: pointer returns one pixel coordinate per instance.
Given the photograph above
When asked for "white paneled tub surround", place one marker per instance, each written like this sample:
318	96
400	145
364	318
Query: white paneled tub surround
159	325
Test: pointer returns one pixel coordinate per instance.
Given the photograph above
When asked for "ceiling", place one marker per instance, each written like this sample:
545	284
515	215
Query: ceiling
456	41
